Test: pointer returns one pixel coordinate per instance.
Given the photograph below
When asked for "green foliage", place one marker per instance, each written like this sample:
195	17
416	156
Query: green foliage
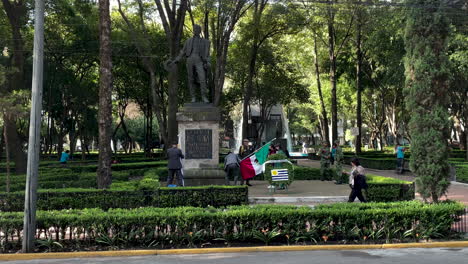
462	173
127	197
150	181
187	226
427	73
383	189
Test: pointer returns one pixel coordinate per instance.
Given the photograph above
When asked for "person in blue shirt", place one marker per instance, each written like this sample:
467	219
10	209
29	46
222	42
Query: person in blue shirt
65	157
400	153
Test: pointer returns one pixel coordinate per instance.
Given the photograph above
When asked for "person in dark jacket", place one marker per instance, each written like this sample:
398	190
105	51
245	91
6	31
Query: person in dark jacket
174	156
231	167
357	181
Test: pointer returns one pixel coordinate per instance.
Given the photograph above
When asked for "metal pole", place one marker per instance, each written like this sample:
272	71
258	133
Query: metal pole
29	228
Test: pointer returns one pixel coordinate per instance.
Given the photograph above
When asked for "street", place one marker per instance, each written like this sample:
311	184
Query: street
381	256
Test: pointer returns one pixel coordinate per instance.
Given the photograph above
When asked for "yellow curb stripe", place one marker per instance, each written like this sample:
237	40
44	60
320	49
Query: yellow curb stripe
127	253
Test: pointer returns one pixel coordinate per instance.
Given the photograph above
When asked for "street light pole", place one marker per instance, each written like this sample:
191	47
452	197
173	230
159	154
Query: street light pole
29	228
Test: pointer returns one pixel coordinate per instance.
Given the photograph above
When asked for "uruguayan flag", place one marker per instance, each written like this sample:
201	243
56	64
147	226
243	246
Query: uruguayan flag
279	175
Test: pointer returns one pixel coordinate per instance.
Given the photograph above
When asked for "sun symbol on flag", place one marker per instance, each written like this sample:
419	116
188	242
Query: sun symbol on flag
274	173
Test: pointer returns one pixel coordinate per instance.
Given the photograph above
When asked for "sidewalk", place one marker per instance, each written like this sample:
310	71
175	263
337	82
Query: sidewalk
457	191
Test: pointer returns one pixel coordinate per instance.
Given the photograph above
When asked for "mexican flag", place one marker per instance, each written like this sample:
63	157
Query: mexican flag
253	165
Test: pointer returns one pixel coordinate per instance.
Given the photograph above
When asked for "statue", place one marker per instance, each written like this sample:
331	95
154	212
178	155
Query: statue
197	53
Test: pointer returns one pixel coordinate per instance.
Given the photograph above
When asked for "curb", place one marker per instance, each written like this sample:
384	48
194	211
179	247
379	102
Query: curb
459	183
128	253
306	199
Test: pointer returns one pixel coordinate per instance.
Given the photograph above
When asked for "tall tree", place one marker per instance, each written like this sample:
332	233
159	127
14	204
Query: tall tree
259	7
172	19
104	173
359	77
16	12
228	13
324	116
141	39
335	47
427	72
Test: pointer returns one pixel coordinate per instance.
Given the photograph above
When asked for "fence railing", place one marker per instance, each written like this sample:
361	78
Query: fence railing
462	225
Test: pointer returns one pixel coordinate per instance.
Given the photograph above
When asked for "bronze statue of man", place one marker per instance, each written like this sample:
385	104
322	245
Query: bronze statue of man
196	50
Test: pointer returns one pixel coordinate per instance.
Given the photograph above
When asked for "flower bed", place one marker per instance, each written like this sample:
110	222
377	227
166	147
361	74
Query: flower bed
190	227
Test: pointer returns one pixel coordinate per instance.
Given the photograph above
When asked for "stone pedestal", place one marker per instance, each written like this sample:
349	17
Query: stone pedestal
199	141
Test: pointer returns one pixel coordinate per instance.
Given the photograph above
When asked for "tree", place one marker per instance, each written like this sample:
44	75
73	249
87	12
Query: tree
426	65
228	13
172	19
141	38
16	12
267	21
335	47
104	173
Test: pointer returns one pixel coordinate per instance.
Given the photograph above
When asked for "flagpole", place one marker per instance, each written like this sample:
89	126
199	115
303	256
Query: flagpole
250	155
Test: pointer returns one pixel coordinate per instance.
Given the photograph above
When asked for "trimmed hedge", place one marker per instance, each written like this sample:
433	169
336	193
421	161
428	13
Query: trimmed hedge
66	178
190	227
383	189
462	173
203	196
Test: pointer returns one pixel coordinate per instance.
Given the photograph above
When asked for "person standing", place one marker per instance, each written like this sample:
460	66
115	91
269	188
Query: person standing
244	151
304	148
339	159
333	153
231	167
174	156
400	153
324	154
64	157
357	181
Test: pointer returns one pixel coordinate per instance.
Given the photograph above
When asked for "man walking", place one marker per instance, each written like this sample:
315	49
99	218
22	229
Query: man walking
231	167
174	156
324	154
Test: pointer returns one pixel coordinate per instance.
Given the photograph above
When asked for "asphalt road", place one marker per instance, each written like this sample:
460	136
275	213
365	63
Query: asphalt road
390	256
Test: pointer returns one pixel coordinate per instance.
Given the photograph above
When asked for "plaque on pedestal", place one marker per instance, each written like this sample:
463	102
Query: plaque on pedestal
199	141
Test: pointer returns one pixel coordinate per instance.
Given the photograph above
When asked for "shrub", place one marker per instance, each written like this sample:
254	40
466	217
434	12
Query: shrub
383	189
181	227
127	198
306	173
150	181
462	173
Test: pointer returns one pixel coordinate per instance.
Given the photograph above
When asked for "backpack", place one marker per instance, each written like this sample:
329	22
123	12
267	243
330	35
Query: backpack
360	181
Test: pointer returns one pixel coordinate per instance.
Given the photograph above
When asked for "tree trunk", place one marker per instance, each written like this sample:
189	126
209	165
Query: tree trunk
7	150
173	101
325	128
252	63
2	143
104	174
16	13
158	109
15	151
359	84
248	90
173	21
332	57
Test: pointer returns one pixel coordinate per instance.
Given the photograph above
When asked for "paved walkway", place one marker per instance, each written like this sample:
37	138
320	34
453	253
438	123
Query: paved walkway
457	191
325	189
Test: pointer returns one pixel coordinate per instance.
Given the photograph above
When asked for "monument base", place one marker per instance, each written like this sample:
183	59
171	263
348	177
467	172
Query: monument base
205	176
